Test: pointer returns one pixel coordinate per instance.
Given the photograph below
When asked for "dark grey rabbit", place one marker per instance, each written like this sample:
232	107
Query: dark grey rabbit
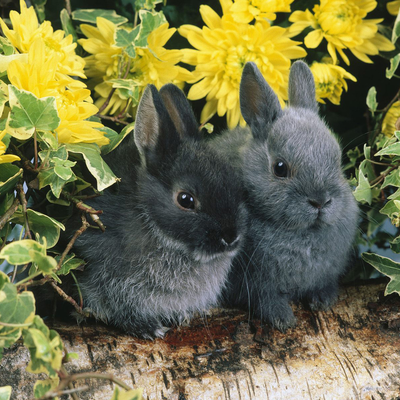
171	230
302	213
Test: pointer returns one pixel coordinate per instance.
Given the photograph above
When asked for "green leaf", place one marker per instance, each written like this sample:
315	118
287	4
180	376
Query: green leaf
28	113
16	310
9	177
125	39
121	394
62	168
18	252
45	226
45	264
5	393
90	15
149	22
396	29
41	387
67	25
3	96
49	139
389	209
363	193
128	89
144	4
95	164
371	100
391	150
387	267
393	179
115	138
45	347
394	63
69	264
49	177
395	244
40	9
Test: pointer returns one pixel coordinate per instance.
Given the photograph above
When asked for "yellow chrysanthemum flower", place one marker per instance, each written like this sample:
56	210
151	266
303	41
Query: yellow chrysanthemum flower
26	29
245	11
154	64
38	75
6	158
341	23
391	117
330	81
222	49
393	7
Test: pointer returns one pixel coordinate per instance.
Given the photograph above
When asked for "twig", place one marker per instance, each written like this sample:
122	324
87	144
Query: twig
113	119
107	102
24	203
78	233
59	393
35	149
87	209
65	380
8	214
382	176
67	298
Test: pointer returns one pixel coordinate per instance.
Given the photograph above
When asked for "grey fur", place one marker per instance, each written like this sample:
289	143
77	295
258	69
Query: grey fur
301	227
156	263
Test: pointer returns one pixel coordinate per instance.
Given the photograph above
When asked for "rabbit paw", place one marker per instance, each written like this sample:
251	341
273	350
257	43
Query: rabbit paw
322	299
280	316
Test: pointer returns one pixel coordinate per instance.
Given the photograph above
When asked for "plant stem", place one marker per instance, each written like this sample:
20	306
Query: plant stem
24	203
67	298
9	213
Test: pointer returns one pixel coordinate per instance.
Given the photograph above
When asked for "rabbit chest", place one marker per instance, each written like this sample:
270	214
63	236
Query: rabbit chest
296	262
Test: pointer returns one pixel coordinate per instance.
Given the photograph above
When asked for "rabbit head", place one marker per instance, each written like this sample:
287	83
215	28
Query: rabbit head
184	189
293	166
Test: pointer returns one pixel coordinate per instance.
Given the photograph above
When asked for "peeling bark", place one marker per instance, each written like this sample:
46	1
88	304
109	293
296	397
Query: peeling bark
349	352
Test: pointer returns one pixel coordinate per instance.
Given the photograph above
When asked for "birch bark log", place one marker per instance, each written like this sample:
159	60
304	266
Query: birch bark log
349	352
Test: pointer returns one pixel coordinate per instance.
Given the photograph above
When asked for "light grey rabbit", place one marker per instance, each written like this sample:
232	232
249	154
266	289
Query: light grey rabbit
172	228
302	213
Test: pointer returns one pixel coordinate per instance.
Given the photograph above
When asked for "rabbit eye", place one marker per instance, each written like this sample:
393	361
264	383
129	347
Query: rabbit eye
280	169
186	201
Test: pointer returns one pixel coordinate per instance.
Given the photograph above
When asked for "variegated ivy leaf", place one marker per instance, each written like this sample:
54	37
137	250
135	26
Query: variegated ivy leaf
149	22
28	113
17	311
371	100
3	96
45	347
394	63
49	177
125	39
5	393
95	164
115	138
41	387
121	394
363	192
387	267
67	25
90	15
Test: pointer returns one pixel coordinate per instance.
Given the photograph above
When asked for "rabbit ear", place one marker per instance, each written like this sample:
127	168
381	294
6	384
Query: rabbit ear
302	87
258	102
180	111
154	131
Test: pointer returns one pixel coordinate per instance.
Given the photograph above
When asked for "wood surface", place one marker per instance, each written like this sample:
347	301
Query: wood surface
349	352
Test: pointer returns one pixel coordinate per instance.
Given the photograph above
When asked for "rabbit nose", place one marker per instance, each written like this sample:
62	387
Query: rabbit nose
319	203
229	237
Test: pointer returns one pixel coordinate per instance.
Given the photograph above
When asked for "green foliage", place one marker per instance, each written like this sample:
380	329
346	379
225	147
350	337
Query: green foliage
30	114
90	16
